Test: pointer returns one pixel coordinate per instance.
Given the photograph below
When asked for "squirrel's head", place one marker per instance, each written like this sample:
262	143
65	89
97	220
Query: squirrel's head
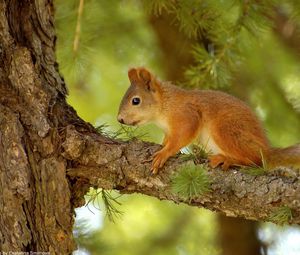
140	103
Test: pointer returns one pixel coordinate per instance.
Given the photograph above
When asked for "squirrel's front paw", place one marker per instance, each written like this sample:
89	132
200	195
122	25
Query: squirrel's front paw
159	160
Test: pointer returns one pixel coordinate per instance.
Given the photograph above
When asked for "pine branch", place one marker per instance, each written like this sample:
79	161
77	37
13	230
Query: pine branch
288	30
220	31
78	26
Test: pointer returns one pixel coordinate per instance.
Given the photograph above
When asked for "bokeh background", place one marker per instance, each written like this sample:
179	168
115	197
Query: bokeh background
250	49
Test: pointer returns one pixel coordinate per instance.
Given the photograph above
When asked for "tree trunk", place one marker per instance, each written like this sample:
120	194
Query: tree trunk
35	212
49	157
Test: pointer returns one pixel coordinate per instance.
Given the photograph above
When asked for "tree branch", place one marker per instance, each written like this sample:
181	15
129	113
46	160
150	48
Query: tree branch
119	165
288	31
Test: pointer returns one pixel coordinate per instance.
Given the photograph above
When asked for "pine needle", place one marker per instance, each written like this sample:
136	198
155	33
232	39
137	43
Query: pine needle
281	215
197	153
257	170
190	182
110	203
254	171
124	132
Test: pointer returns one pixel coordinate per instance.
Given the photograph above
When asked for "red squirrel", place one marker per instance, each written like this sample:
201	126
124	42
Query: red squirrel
225	125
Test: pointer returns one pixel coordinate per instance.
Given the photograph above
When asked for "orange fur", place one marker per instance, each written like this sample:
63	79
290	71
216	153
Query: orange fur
233	132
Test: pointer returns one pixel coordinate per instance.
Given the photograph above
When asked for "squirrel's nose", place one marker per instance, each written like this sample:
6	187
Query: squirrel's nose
120	120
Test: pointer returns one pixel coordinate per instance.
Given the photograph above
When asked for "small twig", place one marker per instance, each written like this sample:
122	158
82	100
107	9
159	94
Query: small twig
78	26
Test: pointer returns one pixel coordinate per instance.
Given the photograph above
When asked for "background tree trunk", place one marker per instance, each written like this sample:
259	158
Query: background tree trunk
238	236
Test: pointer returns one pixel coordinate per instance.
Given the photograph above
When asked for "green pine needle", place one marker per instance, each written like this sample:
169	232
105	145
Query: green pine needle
197	153
125	133
103	129
157	6
110	203
190	182
254	171
188	157
257	170
281	215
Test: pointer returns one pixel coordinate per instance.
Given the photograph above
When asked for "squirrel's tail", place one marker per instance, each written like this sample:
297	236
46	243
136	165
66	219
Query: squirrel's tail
286	157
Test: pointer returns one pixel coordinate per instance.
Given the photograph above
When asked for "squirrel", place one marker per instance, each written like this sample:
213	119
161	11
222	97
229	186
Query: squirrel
224	124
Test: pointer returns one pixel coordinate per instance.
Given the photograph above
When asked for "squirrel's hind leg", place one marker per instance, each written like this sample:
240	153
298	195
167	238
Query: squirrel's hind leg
226	162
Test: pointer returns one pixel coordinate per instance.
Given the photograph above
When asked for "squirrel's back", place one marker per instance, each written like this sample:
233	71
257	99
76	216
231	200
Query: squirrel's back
228	125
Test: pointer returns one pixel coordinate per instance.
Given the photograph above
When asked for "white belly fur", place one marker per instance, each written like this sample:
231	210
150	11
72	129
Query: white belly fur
206	141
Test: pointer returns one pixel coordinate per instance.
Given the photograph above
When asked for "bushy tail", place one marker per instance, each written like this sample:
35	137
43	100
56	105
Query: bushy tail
286	157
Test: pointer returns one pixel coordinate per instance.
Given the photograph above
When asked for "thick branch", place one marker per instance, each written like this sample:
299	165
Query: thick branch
120	166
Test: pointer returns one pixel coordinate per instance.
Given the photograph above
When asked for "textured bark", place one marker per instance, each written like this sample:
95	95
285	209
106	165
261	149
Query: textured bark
35	209
49	157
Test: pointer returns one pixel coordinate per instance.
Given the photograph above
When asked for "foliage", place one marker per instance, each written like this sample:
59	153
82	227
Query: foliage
220	28
124	132
254	171
167	230
257	170
281	215
191	181
108	200
196	152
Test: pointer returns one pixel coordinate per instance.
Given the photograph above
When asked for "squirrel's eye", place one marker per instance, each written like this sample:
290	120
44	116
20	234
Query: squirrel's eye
136	101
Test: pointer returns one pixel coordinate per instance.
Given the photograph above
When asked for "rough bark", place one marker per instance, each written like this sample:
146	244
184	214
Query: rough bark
35	209
49	157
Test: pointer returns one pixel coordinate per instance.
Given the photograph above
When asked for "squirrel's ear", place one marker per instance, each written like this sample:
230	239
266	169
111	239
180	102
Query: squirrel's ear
142	77
133	75
148	80
145	75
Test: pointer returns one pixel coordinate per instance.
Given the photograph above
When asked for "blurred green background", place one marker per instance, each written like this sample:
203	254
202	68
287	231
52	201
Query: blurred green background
248	48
